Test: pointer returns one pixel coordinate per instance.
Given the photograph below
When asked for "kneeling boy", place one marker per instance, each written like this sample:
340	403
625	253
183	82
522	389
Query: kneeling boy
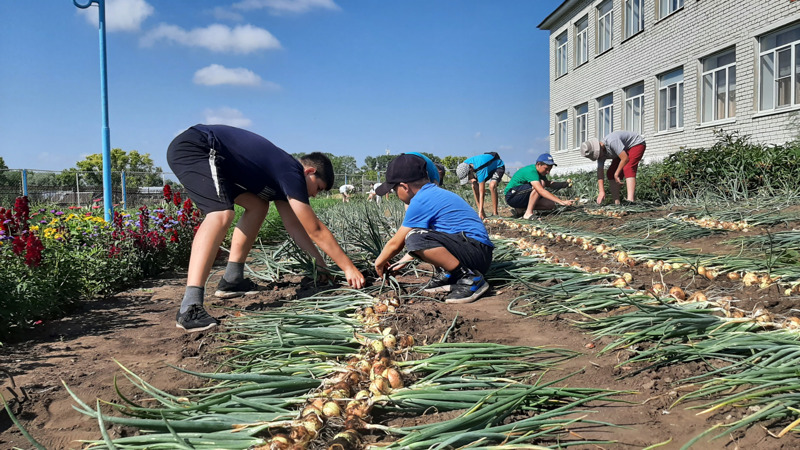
439	228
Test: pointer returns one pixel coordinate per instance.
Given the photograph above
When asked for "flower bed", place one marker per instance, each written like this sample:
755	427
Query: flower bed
53	259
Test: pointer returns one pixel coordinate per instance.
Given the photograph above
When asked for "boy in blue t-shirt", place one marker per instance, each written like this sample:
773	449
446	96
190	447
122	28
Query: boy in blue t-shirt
478	170
439	228
221	166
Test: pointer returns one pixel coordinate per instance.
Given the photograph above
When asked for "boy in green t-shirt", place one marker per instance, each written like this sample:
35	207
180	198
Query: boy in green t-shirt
526	190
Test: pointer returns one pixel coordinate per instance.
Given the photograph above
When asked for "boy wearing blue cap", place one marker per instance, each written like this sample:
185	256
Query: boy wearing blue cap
440	228
526	190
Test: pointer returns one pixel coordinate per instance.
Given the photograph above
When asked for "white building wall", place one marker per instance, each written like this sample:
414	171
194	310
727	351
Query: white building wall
700	29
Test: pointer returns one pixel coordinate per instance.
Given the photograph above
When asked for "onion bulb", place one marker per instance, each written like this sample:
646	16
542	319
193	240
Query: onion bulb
393	375
677	293
331	409
379	386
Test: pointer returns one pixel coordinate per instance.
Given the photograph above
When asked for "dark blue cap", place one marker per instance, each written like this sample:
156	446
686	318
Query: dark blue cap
546	158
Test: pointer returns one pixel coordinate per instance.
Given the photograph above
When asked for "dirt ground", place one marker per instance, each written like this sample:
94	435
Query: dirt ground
136	329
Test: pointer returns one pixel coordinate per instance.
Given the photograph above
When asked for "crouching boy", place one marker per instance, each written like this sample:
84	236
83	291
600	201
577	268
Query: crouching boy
439	228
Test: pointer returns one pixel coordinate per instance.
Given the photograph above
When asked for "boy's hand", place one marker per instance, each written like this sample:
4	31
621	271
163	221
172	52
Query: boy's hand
600	197
354	278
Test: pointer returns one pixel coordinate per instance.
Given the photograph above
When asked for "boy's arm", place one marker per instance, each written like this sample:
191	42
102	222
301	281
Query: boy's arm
321	236
601	187
539	188
296	231
392	248
623	161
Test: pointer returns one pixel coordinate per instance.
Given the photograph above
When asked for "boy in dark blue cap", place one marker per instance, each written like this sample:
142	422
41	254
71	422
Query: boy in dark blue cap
439	228
526	190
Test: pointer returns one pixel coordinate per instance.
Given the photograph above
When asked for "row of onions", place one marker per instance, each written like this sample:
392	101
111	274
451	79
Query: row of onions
324	372
751	356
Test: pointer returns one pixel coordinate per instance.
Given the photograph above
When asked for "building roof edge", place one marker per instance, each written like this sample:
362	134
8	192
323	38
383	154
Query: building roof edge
548	21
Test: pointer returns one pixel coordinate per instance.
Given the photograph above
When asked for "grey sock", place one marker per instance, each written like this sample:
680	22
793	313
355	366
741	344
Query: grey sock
192	296
234	272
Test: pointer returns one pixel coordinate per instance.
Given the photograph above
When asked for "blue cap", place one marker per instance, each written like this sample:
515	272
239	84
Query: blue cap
547	159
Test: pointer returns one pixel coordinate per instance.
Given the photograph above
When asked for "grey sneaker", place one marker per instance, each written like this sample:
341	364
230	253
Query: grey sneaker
226	289
468	289
441	281
195	319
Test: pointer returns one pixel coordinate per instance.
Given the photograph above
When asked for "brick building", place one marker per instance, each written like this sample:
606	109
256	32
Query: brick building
674	71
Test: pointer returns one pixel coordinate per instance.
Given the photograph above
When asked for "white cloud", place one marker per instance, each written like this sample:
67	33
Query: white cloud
121	15
216	37
226	116
278	7
477	135
221	13
216	74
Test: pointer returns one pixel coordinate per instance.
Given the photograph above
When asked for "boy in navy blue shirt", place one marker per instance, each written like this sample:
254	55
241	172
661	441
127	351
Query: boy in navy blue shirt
221	166
439	228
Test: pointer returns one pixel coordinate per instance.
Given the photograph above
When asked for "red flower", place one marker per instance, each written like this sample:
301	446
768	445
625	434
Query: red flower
33	251
18	245
167	193
177	199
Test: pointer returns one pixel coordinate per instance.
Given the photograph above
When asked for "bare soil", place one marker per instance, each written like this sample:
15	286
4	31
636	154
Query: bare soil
136	329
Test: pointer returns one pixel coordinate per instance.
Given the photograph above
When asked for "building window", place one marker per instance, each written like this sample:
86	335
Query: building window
670	100
562	131
634	17
718	96
605	115
634	108
581	116
561	54
779	69
667	7
581	41
605	25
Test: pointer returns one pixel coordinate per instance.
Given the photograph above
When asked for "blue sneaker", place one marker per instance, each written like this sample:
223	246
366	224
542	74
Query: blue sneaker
441	281
467	289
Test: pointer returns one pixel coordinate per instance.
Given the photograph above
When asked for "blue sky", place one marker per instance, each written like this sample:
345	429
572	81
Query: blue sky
350	77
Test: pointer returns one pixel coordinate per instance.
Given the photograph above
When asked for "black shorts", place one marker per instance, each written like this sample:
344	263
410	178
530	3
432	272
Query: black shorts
496	174
195	162
470	253
518	196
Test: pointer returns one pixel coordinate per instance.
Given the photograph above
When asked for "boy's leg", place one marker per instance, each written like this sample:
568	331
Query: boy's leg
536	201
454	254
493	191
630	185
614	188
233	283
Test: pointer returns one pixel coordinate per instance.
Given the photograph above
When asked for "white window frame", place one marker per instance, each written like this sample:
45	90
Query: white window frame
562	131
582	41
581	123
634	17
772	81
605	115
633	119
667	7
715	82
562	54
605	27
670	100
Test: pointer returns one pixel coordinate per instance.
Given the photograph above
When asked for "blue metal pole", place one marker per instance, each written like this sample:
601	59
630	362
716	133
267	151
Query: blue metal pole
108	207
24	183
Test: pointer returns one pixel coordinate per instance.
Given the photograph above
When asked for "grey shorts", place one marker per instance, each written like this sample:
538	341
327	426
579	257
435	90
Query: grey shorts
470	253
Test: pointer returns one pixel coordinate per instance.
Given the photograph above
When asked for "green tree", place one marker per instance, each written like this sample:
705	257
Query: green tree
450	162
138	167
377	163
6	177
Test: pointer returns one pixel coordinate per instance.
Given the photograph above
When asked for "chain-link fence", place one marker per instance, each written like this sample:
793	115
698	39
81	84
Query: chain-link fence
76	188
132	189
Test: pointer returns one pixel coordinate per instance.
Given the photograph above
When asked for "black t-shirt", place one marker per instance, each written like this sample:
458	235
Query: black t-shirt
256	164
